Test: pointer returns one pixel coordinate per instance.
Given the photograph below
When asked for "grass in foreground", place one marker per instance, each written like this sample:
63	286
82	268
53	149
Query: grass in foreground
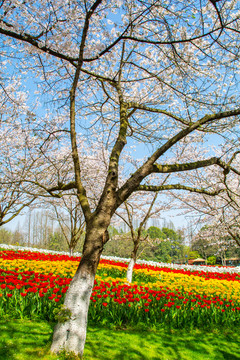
24	339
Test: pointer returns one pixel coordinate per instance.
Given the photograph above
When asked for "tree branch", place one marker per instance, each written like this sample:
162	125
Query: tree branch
138	106
32	41
81	192
177	187
148	167
157	168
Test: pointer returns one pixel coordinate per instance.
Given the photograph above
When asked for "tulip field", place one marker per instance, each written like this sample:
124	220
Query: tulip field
33	284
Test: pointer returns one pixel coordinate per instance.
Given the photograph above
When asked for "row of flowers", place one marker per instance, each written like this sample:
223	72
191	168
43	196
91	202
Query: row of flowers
19	258
62	255
211	283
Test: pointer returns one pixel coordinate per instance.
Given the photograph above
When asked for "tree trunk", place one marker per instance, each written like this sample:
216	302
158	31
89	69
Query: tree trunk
70	251
130	269
70	335
224	260
131	264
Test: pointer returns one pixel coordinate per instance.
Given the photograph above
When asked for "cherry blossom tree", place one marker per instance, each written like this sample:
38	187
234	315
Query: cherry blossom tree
143	208
217	238
162	75
70	219
221	213
15	165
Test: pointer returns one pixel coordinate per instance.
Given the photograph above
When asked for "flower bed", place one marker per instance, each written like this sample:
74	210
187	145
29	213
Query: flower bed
33	284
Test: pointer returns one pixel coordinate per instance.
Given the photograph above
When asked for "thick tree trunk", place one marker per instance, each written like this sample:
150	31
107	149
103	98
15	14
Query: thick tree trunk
70	335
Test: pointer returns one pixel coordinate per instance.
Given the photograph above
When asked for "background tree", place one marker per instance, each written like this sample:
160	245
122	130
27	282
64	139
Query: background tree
215	240
15	162
176	239
143	208
156	233
70	219
193	255
202	245
168	245
56	240
161	74
5	236
221	213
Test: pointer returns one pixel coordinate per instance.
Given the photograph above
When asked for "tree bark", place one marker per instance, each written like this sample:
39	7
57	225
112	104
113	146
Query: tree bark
132	263
70	335
71	251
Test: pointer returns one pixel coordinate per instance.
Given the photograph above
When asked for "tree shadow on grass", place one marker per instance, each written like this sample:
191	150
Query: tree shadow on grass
227	356
24	338
126	345
162	345
31	340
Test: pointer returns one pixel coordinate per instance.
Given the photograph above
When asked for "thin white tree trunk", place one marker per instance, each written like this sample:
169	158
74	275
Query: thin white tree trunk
130	269
71	334
70	251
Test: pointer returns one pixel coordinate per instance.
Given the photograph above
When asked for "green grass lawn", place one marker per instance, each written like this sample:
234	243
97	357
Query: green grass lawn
24	339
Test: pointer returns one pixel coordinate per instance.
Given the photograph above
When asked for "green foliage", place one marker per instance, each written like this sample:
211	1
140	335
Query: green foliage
6	236
156	233
120	246
161	248
144	232
64	355
170	234
62	314
112	231
57	242
211	260
159	252
11	238
193	255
